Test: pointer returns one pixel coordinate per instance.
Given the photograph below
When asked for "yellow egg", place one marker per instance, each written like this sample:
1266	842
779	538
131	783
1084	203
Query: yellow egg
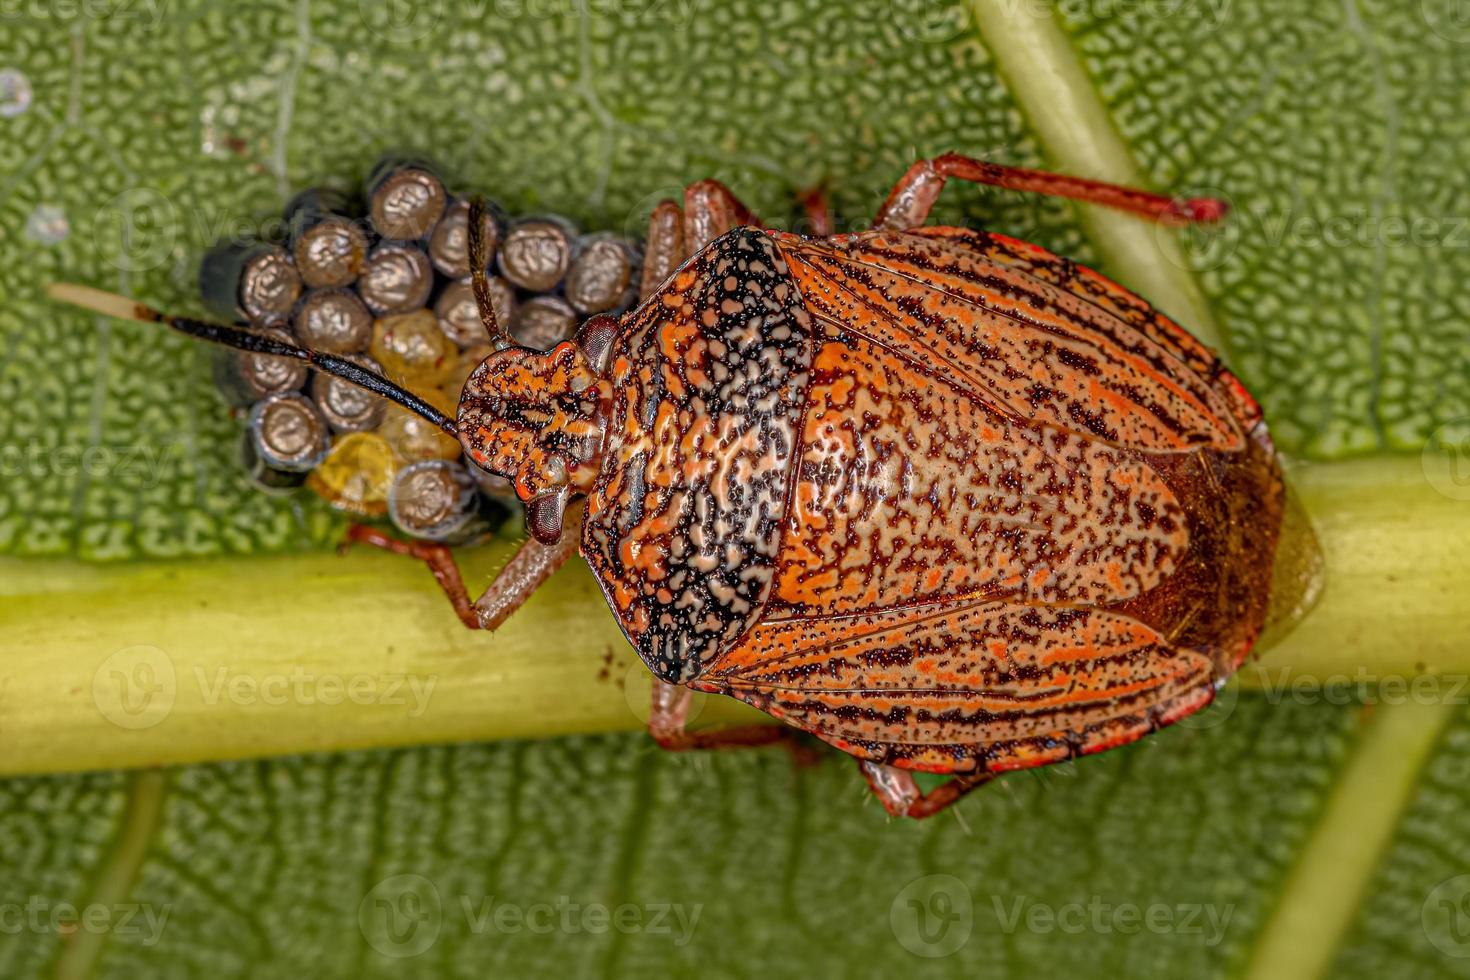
357	474
464	367
414	438
412	350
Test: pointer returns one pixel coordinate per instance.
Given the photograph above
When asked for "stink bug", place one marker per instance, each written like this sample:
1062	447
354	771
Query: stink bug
946	500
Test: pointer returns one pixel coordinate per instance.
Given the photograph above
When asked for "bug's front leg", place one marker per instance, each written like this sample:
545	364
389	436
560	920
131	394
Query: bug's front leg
710	210
900	796
819	220
531	565
909	203
663	248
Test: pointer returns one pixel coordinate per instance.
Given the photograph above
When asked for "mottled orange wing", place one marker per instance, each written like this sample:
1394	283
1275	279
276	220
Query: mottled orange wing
969	685
1054	348
1111	300
910	489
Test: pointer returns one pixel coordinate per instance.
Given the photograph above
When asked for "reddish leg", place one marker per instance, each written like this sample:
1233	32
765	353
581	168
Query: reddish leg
663	249
479	283
818	212
909	203
670	712
530	566
710	210
900	796
440	560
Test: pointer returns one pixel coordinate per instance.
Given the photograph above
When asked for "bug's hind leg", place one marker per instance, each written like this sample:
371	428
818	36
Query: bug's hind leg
531	565
912	198
900	796
670	713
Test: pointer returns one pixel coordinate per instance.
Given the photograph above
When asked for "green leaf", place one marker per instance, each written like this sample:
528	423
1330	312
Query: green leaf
1337	130
1294	811
789	872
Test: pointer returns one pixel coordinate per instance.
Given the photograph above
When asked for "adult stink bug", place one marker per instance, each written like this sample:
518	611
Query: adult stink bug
946	500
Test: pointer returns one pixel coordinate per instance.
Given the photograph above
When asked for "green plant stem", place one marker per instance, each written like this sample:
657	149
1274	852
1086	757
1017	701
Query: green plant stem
251	657
1325	889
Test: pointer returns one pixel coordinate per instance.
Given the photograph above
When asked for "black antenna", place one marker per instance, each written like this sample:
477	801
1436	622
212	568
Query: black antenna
110	304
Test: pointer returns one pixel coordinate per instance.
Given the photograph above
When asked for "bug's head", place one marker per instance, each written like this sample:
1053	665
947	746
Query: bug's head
539	420
536	419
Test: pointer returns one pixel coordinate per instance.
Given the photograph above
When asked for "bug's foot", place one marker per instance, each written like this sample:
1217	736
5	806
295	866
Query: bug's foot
437	556
900	795
802	752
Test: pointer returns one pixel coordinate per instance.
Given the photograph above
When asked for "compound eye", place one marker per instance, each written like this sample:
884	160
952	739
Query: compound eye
596	340
545	516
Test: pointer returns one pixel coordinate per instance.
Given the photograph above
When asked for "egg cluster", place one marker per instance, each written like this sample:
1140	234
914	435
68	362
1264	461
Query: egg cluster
386	283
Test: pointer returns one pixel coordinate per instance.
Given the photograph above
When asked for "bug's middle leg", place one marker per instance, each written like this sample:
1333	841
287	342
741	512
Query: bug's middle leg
670	714
909	203
900	796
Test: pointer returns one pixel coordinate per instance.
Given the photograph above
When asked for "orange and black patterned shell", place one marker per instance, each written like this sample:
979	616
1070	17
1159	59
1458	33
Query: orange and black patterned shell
684	527
940	497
